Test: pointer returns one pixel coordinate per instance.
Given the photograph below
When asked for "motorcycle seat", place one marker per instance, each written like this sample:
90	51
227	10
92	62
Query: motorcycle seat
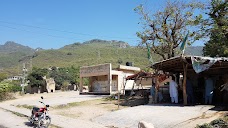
35	109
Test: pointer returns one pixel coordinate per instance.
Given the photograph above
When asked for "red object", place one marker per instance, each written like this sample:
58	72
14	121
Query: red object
161	77
41	110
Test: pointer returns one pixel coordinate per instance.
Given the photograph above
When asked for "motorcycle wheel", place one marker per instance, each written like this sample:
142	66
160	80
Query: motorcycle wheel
44	123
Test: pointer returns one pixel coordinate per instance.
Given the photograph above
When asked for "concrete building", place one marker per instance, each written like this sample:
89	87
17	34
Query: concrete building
105	80
15	78
50	85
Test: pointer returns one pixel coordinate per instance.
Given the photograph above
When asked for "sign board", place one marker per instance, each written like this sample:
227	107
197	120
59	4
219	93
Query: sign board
97	70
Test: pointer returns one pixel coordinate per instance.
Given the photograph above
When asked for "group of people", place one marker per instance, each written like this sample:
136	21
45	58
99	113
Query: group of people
209	89
173	88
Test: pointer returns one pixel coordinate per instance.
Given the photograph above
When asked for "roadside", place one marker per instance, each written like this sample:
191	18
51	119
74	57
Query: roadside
9	120
161	116
60	98
71	110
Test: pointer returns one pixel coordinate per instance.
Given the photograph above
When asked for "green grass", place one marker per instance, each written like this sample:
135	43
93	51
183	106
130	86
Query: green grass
73	104
15	113
25	106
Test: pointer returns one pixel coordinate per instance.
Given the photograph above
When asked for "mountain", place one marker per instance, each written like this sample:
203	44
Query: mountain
12	47
194	50
78	54
11	53
92	52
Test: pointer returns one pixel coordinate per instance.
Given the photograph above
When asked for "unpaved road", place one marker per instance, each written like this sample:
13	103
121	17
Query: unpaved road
9	120
161	116
94	113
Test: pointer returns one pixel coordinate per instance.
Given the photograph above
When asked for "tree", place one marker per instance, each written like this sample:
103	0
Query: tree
69	74
166	29
3	76
218	42
36	77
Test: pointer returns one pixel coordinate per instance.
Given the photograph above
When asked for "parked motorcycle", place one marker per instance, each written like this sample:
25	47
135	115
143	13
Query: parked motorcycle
40	116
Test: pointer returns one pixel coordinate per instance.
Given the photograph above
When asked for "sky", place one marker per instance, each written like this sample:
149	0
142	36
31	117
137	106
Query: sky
55	23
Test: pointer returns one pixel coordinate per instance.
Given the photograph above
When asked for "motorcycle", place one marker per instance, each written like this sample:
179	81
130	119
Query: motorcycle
40	116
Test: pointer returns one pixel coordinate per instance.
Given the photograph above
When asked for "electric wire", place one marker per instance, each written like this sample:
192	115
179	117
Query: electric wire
64	31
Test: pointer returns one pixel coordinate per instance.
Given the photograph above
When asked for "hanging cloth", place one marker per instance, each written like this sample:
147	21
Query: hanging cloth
199	64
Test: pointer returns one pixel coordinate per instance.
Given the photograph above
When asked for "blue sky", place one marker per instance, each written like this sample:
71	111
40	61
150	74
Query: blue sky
56	23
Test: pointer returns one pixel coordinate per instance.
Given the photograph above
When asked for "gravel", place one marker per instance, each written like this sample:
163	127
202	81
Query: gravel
161	116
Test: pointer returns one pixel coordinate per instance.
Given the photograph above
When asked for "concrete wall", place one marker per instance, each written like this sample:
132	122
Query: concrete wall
50	85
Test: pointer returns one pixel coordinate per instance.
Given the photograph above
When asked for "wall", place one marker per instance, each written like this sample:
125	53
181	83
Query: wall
50	85
100	84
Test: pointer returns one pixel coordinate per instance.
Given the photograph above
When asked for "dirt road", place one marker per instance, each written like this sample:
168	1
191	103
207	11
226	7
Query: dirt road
9	120
89	111
53	99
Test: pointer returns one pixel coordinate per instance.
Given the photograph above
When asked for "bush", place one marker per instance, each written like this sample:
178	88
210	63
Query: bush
65	86
6	88
204	126
218	123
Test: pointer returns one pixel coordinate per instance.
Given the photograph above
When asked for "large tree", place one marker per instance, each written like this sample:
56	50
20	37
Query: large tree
36	77
67	74
218	20
165	29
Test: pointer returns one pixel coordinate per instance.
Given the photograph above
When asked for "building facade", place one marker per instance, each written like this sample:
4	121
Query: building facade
104	80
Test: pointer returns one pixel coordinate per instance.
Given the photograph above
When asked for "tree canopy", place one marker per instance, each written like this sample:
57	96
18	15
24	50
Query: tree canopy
164	30
36	77
218	42
68	74
3	76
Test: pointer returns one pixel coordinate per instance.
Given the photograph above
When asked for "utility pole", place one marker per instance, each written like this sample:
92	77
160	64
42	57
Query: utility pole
23	78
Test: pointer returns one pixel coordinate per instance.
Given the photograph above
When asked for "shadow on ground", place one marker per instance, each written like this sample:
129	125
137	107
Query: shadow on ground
29	124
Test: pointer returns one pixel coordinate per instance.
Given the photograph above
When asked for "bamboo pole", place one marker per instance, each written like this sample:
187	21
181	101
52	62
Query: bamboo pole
156	86
185	67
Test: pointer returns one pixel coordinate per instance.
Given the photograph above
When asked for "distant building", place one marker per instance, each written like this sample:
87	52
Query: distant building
105	80
50	85
15	78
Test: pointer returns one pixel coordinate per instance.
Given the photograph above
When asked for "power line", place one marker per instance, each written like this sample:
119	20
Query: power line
64	31
35	32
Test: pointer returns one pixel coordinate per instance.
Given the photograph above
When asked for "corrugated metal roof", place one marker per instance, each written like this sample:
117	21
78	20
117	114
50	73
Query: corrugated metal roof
175	64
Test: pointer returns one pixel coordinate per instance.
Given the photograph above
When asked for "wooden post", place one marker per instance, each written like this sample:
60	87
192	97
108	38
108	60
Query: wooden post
136	78
110	82
118	99
156	87
81	85
185	67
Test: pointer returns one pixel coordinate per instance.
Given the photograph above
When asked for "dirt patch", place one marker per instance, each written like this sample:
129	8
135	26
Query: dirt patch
87	110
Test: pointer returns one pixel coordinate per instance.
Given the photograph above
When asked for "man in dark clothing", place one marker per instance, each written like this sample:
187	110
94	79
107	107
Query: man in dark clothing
189	90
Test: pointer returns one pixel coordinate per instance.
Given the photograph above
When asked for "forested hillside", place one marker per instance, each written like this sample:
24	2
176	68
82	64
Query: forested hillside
78	54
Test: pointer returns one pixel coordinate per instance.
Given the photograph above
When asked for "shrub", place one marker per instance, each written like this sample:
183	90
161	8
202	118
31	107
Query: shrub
217	123
6	88
204	126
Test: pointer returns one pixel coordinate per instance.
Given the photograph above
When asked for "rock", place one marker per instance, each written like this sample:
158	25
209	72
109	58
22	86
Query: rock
143	124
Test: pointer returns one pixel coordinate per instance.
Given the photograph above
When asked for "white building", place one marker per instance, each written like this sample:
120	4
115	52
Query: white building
104	80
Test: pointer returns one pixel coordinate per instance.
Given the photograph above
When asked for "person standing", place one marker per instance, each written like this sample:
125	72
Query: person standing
173	92
208	90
